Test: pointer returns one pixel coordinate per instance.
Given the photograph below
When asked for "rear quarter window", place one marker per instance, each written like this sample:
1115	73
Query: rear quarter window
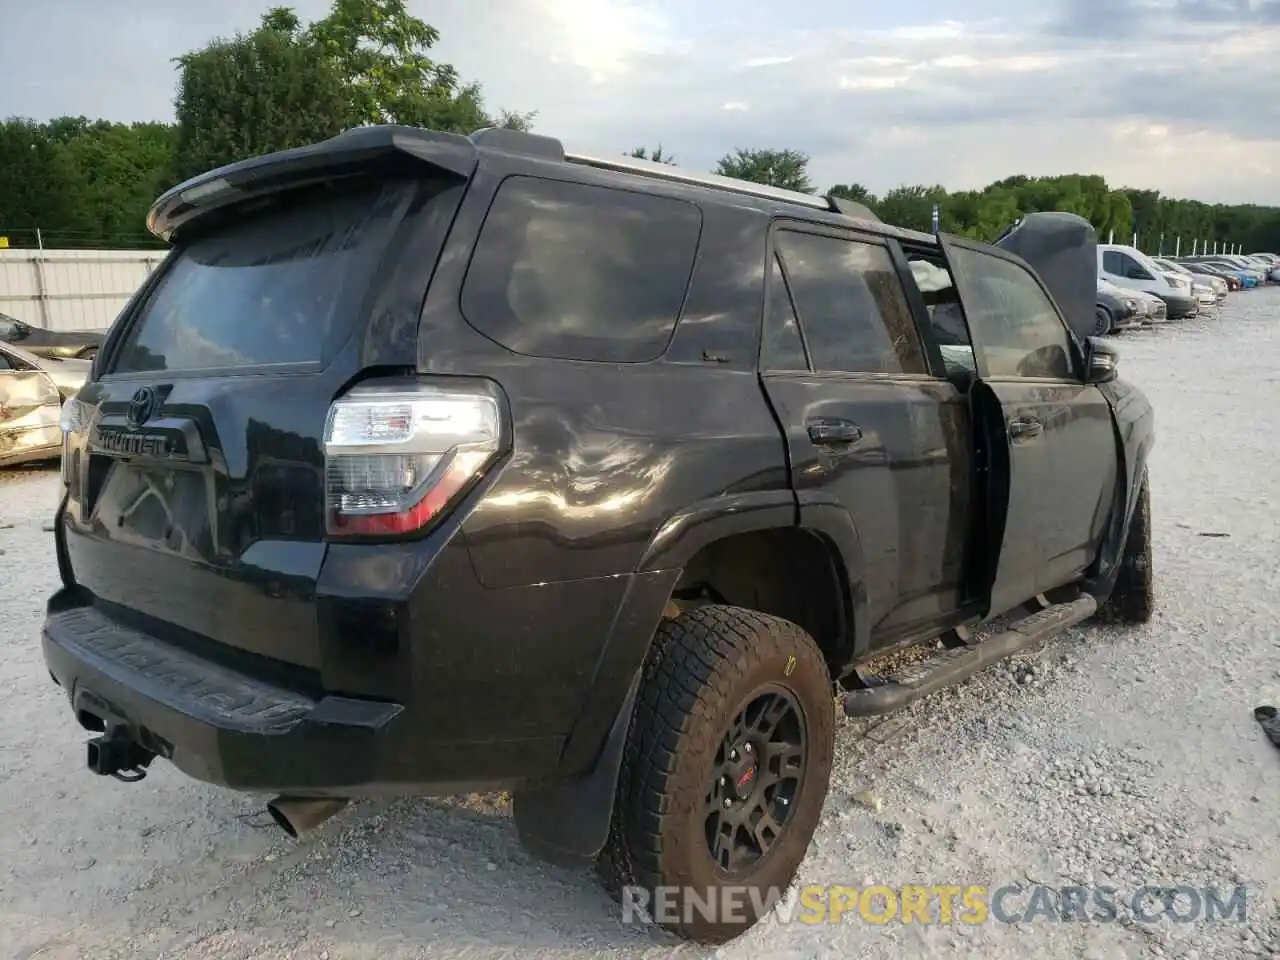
580	272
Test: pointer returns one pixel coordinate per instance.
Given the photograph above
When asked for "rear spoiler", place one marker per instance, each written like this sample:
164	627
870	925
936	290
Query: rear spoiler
351	152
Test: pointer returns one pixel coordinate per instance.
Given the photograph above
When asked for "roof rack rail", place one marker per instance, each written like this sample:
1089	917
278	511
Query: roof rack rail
550	148
663	171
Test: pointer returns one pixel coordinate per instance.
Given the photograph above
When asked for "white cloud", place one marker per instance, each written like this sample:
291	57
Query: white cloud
874	93
755	62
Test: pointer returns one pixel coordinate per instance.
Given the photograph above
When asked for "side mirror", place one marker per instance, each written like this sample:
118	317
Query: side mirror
1101	360
1137	273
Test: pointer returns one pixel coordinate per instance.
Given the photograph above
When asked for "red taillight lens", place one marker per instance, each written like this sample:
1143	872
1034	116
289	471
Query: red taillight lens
396	457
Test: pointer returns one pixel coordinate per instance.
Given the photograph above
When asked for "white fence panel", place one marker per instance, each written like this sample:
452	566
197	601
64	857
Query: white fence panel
71	289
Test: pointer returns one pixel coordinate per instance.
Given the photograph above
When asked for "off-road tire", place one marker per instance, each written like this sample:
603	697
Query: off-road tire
702	669
1133	600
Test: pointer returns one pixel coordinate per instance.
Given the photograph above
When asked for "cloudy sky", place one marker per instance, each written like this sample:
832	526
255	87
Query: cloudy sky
1178	95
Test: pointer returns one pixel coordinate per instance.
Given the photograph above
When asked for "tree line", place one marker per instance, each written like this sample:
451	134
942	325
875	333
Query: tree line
88	183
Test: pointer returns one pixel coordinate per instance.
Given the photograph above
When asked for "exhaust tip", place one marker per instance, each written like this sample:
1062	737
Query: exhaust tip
297	815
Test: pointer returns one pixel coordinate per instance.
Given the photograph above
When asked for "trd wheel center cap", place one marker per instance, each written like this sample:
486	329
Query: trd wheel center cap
743	776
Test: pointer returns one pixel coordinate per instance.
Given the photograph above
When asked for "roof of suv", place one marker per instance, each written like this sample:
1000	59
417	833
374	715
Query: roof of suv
400	147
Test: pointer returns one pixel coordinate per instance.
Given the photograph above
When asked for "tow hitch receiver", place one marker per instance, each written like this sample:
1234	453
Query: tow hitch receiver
119	757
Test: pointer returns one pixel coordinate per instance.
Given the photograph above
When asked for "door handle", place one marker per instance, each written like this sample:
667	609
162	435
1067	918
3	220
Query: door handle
825	430
1025	428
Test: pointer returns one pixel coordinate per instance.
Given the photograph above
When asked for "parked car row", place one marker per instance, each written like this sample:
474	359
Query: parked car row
1136	289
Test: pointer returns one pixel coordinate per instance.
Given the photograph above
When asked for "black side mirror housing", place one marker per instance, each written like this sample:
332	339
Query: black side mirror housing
1101	361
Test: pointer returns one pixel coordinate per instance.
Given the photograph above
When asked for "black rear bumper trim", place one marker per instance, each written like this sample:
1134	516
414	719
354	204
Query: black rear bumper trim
213	723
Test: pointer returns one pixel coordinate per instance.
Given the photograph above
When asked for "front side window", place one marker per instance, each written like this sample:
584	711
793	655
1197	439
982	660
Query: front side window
1013	321
853	310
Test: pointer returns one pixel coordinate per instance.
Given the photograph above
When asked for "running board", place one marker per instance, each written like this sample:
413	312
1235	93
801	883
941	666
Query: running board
951	666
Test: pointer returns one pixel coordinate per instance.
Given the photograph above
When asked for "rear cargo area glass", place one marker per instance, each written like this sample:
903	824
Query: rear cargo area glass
267	287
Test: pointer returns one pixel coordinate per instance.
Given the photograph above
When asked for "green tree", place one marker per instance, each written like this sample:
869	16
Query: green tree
256	93
384	55
657	155
788	169
40	184
285	85
911	207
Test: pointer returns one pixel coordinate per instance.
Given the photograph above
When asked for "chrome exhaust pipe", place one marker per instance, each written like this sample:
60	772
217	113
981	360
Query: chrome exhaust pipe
297	815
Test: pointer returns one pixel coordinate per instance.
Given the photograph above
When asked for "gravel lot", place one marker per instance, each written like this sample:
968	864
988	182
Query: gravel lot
1112	756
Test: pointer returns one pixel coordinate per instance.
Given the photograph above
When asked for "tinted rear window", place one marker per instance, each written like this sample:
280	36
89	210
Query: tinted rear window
581	272
272	288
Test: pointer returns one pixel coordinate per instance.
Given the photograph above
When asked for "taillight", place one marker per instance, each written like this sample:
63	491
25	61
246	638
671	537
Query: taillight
74	421
397	456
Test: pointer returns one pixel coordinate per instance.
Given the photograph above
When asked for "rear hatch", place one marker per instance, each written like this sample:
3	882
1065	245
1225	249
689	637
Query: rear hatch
196	474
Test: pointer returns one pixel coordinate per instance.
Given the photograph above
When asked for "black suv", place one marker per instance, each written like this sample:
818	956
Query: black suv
428	464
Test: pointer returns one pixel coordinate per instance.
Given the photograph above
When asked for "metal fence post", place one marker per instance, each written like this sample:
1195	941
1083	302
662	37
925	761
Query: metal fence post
42	293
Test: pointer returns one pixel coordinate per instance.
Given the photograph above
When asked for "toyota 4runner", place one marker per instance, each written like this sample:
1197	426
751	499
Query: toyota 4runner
429	464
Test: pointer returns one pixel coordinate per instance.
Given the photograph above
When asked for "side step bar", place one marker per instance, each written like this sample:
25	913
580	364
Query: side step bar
951	666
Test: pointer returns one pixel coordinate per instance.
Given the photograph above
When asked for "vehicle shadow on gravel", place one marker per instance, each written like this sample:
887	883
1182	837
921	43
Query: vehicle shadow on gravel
439	876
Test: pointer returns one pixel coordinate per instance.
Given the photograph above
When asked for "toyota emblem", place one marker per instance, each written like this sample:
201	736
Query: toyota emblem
141	407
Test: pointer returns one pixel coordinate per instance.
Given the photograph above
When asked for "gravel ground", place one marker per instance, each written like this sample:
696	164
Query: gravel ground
1114	756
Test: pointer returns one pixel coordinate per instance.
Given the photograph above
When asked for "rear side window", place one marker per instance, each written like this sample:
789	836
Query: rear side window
581	272
270	288
783	348
853	309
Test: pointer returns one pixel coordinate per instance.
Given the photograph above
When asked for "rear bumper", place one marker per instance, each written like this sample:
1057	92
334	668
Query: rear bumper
470	689
213	723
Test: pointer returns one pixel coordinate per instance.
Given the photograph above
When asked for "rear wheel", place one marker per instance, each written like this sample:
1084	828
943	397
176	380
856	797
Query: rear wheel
1133	599
725	772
